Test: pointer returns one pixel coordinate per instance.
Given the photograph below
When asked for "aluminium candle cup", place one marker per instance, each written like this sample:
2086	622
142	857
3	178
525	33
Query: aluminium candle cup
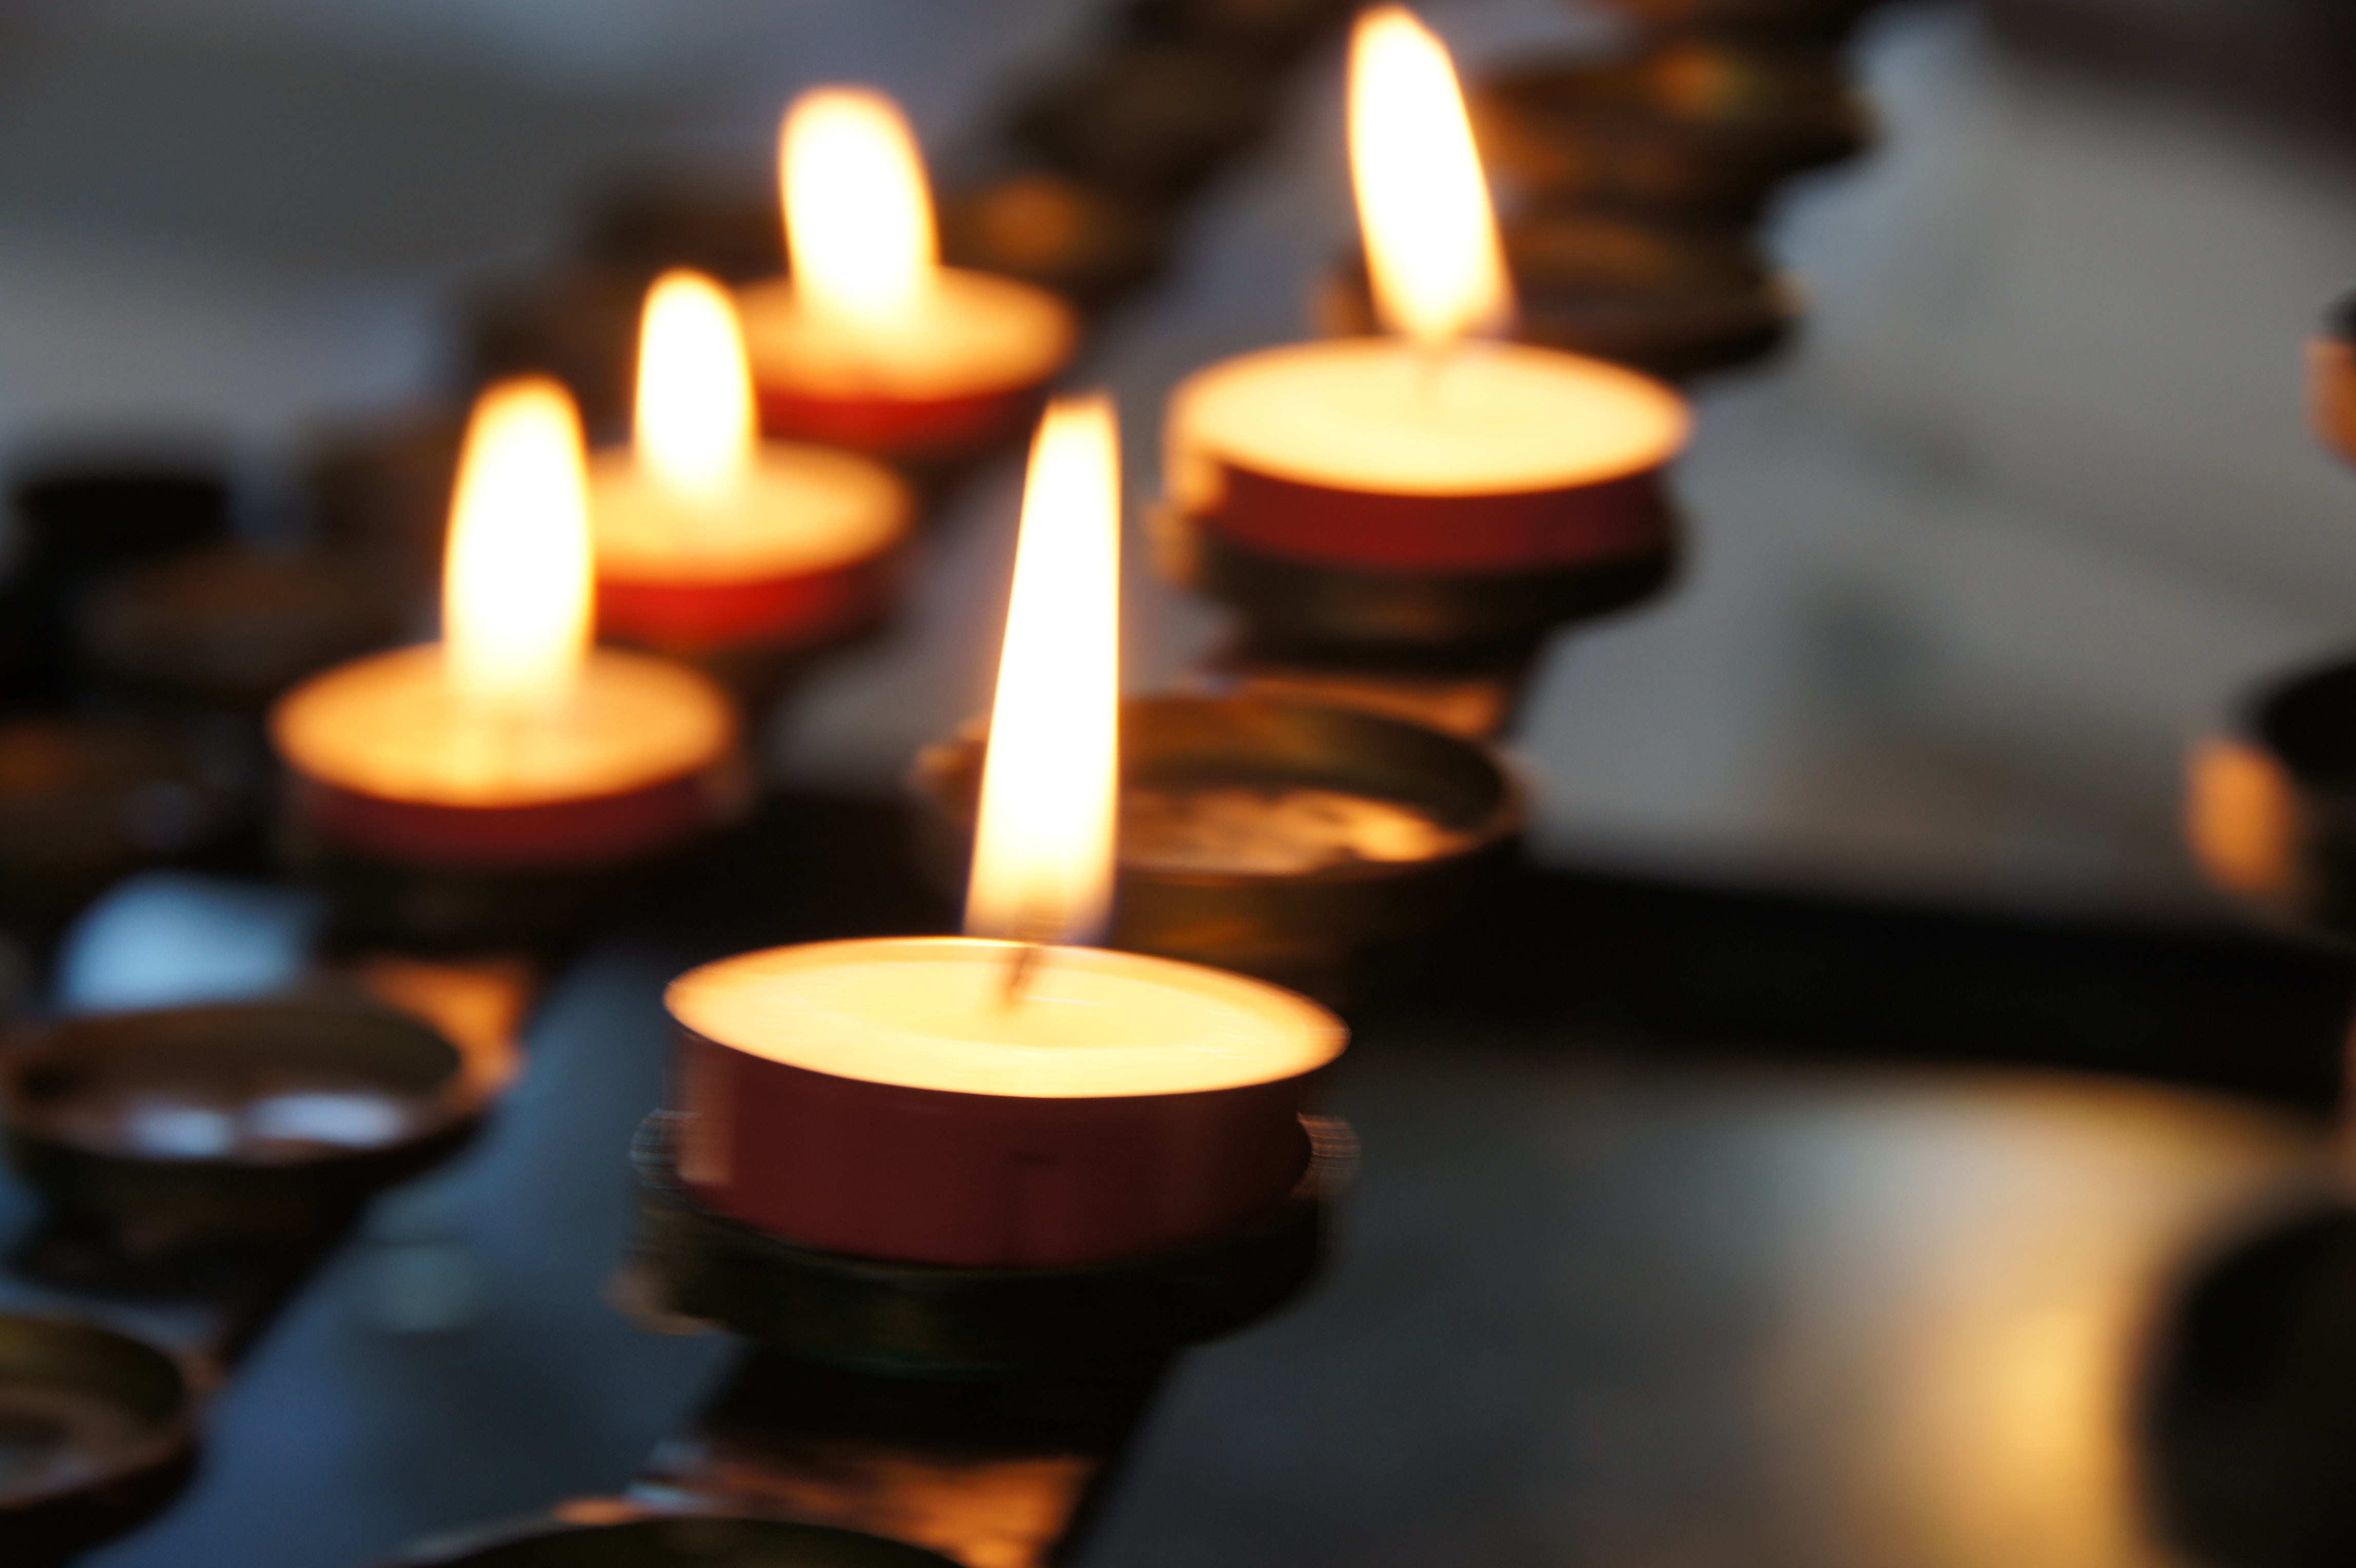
912	1319
2271	802
1149	119
1674	300
412	864
231	630
959	1152
161	1141
99	1436
2332	378
1241	846
1692	126
1312	492
618	1533
810	558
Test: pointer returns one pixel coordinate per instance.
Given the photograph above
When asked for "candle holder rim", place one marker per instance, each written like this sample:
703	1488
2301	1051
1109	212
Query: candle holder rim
511	1541
169	1439
460	1099
934	777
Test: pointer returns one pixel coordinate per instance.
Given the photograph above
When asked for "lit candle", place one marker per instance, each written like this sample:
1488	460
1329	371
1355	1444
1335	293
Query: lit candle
708	537
872	343
1424	452
512	742
992	1100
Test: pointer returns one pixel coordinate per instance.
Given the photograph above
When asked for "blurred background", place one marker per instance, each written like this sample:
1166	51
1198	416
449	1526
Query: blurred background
2031	497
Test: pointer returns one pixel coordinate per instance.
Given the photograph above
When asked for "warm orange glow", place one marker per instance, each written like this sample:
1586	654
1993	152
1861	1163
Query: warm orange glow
695	428
515	591
1044	850
1431	237
859	219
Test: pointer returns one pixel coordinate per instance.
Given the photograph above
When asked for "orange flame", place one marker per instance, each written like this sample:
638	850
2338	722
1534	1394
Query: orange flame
695	424
516	589
1432	251
1042	862
859	219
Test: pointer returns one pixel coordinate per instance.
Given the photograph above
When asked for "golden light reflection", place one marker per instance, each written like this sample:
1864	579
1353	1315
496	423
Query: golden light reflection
1432	251
516	589
859	219
695	426
1042	864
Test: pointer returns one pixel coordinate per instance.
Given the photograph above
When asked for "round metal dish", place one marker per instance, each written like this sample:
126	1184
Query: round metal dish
161	1191
1296	927
929	1320
97	1437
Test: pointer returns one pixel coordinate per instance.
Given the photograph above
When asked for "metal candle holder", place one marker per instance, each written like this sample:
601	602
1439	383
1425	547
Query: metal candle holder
1150	119
1694	125
1296	927
921	1401
2332	378
1672	299
97	1436
174	1146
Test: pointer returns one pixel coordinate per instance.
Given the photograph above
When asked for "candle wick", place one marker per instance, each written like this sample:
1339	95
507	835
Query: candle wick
1022	964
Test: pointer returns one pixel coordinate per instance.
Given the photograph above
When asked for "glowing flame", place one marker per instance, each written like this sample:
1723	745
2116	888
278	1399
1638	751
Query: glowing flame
515	590
1431	237
1042	859
859	221
695	425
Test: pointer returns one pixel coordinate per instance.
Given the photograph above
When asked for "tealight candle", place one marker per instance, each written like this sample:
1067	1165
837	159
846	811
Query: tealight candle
870	343
1422	455
998	1101
512	742
708	538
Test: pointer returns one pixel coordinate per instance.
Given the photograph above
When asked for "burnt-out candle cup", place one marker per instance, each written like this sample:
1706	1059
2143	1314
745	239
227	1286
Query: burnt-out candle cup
1691	126
97	1437
2332	378
1083	242
2271	802
1361	491
83	802
1150	119
625	1534
161	1137
231	630
1672	299
1272	837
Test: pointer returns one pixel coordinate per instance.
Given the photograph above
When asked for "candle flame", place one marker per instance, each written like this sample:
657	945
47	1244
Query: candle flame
1431	237
859	219
695	423
516	589
1043	863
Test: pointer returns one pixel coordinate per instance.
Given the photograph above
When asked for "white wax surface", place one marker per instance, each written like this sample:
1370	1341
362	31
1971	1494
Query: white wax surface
799	510
1378	415
391	726
931	1013
974	334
